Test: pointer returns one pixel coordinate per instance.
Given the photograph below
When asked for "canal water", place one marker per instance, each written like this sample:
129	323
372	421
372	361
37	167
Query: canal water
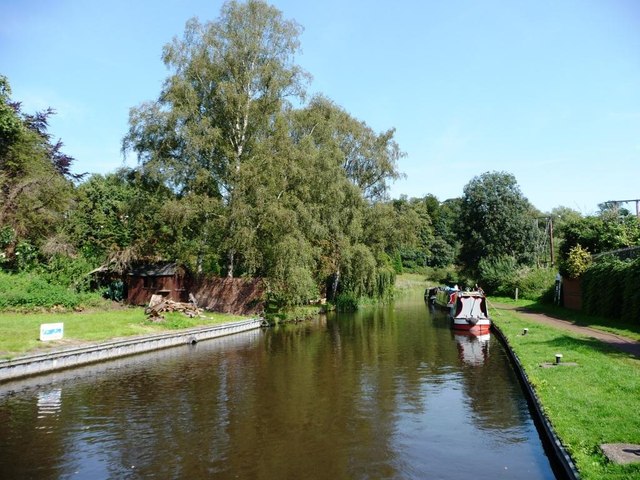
388	392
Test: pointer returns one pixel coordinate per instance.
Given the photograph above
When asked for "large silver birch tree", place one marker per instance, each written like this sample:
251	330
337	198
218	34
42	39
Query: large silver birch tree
230	77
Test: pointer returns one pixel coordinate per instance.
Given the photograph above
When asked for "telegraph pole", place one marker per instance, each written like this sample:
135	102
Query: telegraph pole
616	204
551	238
548	229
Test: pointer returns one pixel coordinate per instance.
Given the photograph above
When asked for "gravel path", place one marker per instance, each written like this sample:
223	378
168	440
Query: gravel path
622	343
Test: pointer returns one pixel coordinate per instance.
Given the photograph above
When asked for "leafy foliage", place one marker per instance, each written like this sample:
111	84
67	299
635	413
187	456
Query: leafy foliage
29	290
601	233
496	220
68	272
534	283
576	263
502	276
369	160
346	302
630	309
35	180
498	274
289	189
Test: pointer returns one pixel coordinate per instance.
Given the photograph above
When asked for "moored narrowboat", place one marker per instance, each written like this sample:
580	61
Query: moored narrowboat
467	309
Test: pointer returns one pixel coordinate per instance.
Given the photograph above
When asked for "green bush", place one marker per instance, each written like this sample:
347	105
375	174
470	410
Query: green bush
346	302
447	275
7	236
498	275
576	263
67	272
26	256
502	276
535	283
298	288
30	291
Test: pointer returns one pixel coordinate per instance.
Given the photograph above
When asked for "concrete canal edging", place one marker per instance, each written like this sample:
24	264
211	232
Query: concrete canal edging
562	462
74	357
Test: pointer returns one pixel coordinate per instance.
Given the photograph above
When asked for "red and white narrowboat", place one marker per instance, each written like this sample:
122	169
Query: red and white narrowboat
467	310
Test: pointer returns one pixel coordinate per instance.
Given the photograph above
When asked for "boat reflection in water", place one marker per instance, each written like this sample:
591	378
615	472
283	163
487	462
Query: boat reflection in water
473	349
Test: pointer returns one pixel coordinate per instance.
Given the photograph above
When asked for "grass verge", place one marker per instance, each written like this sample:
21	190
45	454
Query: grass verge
593	403
409	283
579	318
19	332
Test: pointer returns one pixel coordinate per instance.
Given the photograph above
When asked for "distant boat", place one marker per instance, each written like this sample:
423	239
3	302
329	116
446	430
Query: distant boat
467	310
430	295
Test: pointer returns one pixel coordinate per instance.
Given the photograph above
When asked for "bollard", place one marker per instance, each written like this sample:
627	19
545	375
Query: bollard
558	358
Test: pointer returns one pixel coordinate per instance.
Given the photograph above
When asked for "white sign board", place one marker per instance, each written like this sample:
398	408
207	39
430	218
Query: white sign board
51	331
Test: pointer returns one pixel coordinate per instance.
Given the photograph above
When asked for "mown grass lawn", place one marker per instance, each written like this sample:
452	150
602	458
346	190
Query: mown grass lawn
595	402
605	324
19	332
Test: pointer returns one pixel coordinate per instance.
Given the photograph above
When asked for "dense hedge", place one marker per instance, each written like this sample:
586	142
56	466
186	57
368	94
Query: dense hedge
611	289
631	295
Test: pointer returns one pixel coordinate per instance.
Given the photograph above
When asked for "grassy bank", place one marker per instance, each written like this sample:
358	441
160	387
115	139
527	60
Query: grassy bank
410	281
593	403
605	324
20	331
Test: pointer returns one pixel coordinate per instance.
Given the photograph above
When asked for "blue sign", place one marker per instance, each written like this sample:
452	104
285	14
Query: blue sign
51	331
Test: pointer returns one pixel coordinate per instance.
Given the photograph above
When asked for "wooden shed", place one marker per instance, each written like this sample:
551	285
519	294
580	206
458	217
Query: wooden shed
572	293
167	279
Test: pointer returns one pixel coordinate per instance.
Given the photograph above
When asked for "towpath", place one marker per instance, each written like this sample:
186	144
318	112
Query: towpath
617	341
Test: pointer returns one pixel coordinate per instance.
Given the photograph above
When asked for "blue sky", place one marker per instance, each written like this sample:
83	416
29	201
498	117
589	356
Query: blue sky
546	90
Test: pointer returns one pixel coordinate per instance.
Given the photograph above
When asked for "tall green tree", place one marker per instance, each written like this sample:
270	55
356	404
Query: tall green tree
35	177
124	217
294	188
446	220
401	229
230	78
496	220
369	159
352	168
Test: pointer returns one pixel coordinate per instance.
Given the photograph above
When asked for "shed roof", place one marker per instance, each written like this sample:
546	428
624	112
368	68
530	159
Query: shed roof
156	270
